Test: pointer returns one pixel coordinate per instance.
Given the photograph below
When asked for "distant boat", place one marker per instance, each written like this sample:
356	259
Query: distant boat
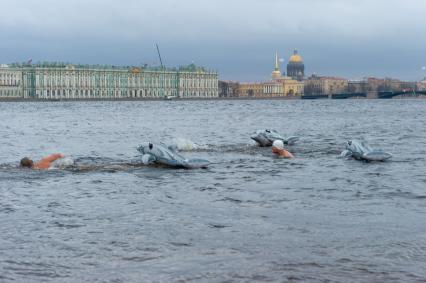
170	97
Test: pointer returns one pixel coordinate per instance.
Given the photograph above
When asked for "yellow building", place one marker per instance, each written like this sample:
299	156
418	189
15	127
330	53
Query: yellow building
325	85
283	87
273	89
421	85
250	90
291	87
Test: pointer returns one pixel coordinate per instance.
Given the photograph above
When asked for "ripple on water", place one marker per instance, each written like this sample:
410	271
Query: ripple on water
40	270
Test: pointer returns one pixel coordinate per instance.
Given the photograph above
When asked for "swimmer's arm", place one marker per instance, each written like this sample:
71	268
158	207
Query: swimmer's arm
53	157
287	154
47	161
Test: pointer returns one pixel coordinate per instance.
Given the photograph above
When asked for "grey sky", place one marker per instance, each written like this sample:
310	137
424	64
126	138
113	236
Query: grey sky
350	38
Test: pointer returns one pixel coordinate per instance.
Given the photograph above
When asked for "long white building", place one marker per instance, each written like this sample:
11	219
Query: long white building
97	82
10	82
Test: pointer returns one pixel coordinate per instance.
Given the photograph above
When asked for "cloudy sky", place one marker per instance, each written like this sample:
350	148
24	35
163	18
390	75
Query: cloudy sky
349	38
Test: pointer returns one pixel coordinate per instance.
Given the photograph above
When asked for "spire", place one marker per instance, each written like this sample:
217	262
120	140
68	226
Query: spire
277	66
276	74
295	51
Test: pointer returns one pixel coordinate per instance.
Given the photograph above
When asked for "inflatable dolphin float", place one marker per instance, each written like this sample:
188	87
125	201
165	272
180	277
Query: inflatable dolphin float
167	155
267	137
361	151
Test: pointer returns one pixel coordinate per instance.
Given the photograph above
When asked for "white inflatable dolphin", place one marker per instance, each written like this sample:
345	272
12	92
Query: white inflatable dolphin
161	154
267	137
361	151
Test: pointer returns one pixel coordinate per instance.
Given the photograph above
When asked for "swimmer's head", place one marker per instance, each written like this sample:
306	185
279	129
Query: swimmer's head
278	144
26	162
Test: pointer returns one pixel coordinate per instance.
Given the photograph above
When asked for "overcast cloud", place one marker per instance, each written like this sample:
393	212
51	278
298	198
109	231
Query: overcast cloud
350	38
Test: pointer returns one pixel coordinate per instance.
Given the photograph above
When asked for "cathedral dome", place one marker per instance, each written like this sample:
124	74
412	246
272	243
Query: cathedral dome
295	58
296	67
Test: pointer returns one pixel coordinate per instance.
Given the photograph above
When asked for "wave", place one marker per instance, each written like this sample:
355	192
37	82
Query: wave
184	144
62	163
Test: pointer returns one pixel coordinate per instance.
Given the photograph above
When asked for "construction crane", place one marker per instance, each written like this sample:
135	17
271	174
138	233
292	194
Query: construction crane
159	55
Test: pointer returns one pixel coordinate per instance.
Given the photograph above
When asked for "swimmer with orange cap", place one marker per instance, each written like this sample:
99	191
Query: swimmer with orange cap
42	164
278	149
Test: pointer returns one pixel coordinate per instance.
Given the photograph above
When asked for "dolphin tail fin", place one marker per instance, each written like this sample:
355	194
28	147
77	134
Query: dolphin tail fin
346	153
377	155
291	140
196	163
173	147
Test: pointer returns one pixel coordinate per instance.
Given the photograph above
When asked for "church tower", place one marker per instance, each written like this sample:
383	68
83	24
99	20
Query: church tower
276	74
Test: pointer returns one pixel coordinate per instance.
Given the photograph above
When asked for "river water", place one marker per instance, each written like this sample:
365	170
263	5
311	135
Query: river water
248	217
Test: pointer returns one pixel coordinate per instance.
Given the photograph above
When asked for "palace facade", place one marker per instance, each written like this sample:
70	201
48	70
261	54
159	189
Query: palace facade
101	82
10	82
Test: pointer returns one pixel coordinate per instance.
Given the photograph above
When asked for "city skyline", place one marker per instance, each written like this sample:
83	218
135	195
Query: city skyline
352	39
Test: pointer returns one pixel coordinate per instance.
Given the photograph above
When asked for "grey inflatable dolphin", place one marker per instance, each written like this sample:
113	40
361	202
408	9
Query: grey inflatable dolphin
361	151
162	154
267	137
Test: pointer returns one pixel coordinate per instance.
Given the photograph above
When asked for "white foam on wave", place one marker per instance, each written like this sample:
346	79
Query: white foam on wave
187	145
62	163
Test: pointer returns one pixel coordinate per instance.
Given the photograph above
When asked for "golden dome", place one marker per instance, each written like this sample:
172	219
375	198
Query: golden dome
295	58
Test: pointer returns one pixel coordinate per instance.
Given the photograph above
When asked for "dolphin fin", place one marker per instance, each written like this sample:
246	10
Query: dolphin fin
346	153
148	159
196	163
291	140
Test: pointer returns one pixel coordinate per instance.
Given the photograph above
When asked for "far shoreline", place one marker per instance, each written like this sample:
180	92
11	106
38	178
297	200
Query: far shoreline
4	99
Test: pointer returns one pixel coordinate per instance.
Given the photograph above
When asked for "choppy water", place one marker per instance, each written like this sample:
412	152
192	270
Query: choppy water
249	217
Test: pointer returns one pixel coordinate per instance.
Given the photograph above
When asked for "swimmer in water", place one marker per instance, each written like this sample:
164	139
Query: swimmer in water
278	150
43	164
